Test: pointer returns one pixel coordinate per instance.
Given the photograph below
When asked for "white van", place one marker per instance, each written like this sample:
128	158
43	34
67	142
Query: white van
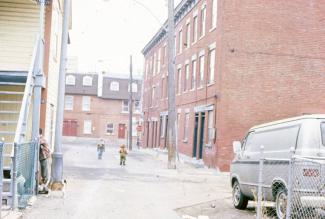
303	136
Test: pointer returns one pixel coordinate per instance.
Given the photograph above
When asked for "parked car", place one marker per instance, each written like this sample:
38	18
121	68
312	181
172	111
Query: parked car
300	136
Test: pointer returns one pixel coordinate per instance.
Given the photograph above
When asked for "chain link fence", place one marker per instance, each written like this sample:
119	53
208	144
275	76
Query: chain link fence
26	171
290	188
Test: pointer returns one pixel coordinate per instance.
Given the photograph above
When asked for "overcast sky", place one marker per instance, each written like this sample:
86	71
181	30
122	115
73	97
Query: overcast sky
106	32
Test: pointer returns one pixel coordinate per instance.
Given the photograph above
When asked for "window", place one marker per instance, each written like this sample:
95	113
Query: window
186	123
153	94
125	106
323	132
159	61
87	127
154	63
134	88
201	71
211	130
203	20
187	75
193	74
68	103
179	81
110	128
70	80
162	88
134	127
115	86
87	81
137	106
214	13
195	24
180	41
188	35
212	57
85	103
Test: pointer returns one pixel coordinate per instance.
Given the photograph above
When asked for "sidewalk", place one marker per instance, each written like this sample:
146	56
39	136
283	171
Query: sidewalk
7	213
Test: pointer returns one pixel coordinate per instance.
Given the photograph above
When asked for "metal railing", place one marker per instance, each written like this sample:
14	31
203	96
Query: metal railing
20	135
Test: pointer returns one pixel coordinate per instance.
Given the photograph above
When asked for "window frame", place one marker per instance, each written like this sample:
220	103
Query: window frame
127	105
71	102
87	81
212	68
70	80
114	84
322	132
84	127
84	104
110	129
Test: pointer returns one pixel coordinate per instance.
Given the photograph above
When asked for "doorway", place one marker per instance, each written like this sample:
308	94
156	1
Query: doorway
70	127
121	131
201	142
196	126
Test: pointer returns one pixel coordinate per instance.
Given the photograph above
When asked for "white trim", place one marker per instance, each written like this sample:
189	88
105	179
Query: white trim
164	113
188	21
187	62
194	57
203	108
195	13
179	66
179	110
202	53
204	5
212	46
187	110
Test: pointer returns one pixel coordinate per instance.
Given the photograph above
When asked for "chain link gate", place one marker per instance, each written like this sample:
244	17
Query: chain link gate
290	188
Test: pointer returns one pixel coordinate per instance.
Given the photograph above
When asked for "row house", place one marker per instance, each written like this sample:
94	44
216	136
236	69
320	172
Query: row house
30	40
97	106
237	64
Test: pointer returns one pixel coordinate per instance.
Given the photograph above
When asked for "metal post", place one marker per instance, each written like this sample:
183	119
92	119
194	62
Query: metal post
38	80
260	183
171	88
57	156
1	174
14	202
289	186
130	106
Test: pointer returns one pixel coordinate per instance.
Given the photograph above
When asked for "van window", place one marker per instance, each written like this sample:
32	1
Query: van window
249	142
322	127
279	139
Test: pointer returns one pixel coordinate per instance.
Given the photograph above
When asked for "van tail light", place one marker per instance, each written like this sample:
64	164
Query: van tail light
309	172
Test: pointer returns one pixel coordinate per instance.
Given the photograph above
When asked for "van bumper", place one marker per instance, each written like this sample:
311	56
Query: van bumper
313	201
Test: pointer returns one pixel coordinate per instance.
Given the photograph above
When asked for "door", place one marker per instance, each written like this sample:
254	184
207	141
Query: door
201	142
70	128
121	131
196	125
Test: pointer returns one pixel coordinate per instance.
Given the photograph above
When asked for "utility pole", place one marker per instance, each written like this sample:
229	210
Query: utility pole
171	88
57	156
130	106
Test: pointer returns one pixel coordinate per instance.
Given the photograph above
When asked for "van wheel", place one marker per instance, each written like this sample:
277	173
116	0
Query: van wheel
281	203
238	198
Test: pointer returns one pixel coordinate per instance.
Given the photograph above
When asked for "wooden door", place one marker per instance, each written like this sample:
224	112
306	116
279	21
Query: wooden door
121	131
70	127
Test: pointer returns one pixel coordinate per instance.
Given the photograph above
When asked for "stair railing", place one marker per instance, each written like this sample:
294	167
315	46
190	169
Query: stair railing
23	117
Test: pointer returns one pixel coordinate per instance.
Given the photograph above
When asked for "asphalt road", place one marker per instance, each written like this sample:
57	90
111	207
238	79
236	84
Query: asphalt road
143	189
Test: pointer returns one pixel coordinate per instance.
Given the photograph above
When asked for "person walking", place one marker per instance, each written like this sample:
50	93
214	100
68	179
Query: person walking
100	148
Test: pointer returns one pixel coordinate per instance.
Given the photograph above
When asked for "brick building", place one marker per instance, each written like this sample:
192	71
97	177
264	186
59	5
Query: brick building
97	106
238	63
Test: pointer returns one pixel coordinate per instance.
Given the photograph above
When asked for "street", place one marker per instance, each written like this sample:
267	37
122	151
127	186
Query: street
143	189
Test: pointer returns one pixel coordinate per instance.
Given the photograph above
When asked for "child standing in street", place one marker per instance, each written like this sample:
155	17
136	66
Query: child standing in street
100	148
123	153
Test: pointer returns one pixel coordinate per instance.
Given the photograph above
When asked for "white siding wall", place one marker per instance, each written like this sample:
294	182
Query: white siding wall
19	22
53	76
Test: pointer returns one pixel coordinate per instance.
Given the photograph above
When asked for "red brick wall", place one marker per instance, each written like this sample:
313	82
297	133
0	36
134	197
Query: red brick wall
273	62
102	112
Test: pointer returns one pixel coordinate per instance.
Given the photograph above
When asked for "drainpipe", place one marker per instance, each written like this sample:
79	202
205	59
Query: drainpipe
57	156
